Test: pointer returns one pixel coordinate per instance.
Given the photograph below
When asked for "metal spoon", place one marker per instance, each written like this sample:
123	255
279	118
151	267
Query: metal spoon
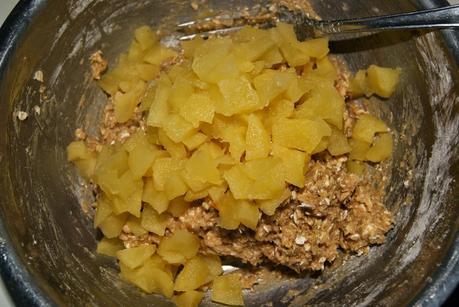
445	17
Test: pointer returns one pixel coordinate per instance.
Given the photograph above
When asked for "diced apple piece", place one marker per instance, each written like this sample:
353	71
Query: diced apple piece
214	264
178	207
383	81
269	206
126	103
381	148
238	97
159	108
78	151
216	192
181	90
200	170
247	213
338	144
142	156
302	134
359	149
193	275
176	150
179	247
258	141
103	211
177	128
109	247
366	127
133	223
294	163
146	37
157	199
356	167
175	185
208	55
153	221
198	108
111	227
188	299
162	170
135	256
323	102
194	141
359	84
227	289
192	196
323	145
226	211
271	83
159	54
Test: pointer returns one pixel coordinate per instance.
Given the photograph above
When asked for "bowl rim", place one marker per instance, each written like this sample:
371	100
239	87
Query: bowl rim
20	282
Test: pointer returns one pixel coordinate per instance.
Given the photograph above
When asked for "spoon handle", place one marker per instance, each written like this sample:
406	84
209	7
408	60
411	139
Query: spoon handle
445	17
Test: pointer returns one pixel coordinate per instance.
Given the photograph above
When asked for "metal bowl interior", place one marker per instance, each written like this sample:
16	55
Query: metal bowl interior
48	243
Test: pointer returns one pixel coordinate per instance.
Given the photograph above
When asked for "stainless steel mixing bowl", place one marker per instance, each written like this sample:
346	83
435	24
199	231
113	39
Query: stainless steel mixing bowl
47	243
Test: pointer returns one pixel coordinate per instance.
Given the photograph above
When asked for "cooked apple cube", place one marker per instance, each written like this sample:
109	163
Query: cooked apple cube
141	158
175	185
208	55
193	275
109	247
135	256
194	141
238	97
177	128
178	207
323	102
383	81
228	218
272	83
125	103
359	84
192	196
181	90
198	108
356	167
247	213
159	108
111	227
366	127
258	141
269	206
201	171
294	163
78	151
133	223
103	210
188	299
176	150
162	170
302	134
359	149
338	144
146	37
179	247
381	148
153	221
227	289
157	199
159	54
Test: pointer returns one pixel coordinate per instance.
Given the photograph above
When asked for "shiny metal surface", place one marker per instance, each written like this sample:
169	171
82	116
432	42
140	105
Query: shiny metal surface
438	18
445	17
47	243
